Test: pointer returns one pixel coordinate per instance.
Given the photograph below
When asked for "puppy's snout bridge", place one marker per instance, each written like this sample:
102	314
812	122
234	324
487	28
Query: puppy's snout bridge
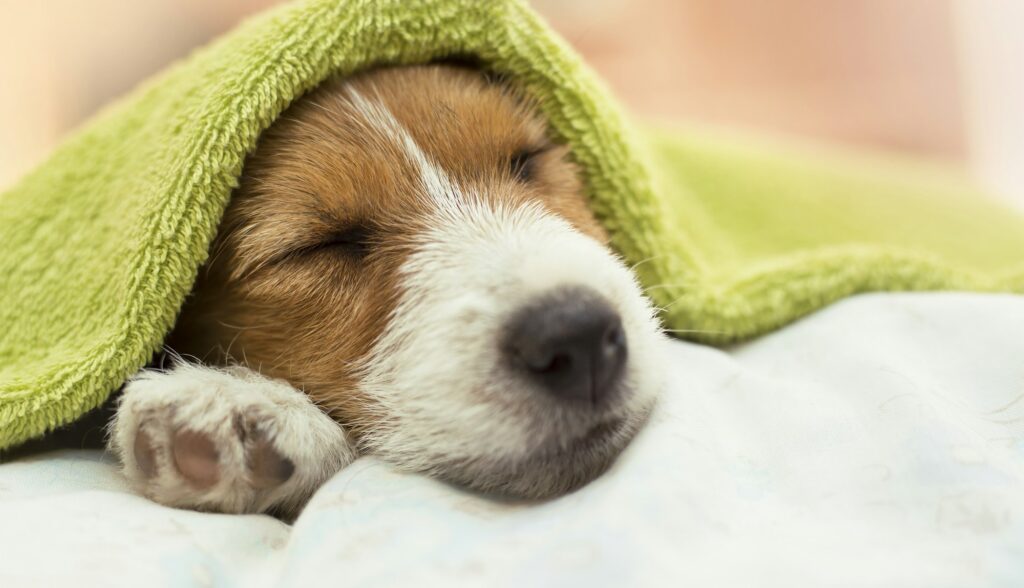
571	343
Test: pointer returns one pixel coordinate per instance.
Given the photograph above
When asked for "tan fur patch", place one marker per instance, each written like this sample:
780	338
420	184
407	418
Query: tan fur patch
304	273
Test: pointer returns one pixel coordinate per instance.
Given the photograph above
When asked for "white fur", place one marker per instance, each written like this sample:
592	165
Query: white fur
438	371
215	402
443	393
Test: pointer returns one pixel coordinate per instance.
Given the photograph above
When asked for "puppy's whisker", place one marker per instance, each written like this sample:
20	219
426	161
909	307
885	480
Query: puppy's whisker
227	352
662	287
634	267
696	332
674	302
227	325
176	358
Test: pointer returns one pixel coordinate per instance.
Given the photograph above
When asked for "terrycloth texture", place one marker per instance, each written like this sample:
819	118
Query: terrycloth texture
102	243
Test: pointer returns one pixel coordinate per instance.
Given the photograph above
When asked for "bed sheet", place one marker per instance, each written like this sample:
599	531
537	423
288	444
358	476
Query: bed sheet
879	442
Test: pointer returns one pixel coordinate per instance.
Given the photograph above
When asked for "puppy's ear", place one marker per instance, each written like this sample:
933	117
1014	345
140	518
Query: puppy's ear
474	64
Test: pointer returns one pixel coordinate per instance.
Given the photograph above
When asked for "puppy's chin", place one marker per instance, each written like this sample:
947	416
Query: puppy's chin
458	398
555	468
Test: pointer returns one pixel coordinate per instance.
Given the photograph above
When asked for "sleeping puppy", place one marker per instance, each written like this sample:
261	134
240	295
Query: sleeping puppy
408	269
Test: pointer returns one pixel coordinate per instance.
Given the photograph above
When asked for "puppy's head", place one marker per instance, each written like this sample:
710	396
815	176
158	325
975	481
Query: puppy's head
409	248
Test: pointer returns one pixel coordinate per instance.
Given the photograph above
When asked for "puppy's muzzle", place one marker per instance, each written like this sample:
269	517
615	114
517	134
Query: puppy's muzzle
570	343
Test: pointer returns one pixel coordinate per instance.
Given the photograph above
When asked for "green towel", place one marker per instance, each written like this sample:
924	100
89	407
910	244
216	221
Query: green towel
101	243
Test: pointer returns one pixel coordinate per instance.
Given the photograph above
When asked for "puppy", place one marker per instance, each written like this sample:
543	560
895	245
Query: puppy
408	268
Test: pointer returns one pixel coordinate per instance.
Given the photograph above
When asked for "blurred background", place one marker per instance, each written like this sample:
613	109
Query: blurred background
937	78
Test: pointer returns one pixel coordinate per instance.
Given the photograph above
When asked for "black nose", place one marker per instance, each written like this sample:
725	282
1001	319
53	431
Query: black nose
571	342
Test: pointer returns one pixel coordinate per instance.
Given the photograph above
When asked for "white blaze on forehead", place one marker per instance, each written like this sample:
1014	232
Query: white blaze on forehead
435	181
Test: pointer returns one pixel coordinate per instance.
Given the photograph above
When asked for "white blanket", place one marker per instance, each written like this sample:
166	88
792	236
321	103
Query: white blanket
879	442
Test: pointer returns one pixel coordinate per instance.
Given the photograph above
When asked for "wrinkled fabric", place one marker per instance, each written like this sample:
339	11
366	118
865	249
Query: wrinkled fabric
879	442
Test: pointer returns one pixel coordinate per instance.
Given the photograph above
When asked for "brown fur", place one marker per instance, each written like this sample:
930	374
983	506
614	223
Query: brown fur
279	297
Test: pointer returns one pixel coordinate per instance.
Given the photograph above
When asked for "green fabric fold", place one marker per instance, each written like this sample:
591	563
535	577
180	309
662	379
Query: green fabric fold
100	245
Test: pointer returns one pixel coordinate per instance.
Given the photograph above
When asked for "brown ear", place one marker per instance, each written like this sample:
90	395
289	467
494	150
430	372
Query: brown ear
474	64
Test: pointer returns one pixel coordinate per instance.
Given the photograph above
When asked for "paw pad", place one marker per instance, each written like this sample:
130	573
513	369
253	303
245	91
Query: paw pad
196	458
267	466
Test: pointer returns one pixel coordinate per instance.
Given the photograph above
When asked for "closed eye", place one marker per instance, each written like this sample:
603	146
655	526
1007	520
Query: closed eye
523	164
354	241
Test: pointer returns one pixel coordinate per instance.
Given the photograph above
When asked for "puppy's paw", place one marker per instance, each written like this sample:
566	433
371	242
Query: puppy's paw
225	440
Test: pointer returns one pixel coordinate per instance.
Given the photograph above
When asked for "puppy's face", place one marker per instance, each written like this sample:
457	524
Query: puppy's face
409	248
